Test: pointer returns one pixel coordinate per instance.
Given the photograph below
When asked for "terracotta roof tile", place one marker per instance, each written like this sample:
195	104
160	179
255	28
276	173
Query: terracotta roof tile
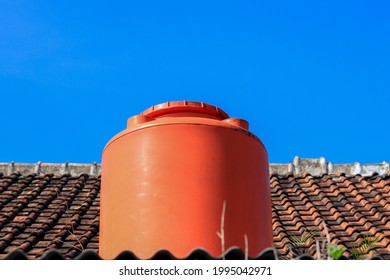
351	206
39	212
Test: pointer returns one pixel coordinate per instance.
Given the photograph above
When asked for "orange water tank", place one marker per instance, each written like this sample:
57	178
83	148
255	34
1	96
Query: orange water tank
181	173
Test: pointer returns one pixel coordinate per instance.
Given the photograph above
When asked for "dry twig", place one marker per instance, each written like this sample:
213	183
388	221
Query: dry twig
221	234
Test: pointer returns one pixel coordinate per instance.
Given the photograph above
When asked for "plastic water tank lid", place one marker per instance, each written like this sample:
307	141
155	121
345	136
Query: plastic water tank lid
184	106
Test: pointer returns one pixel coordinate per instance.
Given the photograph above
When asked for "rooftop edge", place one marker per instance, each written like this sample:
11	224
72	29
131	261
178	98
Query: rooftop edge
313	166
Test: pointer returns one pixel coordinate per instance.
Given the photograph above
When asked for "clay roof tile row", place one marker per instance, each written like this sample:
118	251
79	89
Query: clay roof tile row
39	212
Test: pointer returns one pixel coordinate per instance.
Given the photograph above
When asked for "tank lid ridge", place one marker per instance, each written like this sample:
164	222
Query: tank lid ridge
185	106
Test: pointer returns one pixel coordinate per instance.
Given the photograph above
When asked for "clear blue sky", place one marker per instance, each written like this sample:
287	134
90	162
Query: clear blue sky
311	77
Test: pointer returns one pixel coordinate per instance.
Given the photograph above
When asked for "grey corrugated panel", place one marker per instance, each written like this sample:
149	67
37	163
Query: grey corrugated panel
16	255
198	254
52	255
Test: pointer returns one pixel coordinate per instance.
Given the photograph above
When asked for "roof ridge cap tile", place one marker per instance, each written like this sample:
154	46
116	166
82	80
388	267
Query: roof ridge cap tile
299	166
41	168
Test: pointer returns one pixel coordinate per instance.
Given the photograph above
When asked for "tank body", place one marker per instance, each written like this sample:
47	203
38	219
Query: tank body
182	176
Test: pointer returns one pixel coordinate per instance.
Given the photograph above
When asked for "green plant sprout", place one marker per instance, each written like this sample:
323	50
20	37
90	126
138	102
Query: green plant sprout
365	246
306	236
335	251
298	243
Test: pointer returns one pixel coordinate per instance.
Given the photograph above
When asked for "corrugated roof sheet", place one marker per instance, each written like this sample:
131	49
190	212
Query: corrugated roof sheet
198	254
